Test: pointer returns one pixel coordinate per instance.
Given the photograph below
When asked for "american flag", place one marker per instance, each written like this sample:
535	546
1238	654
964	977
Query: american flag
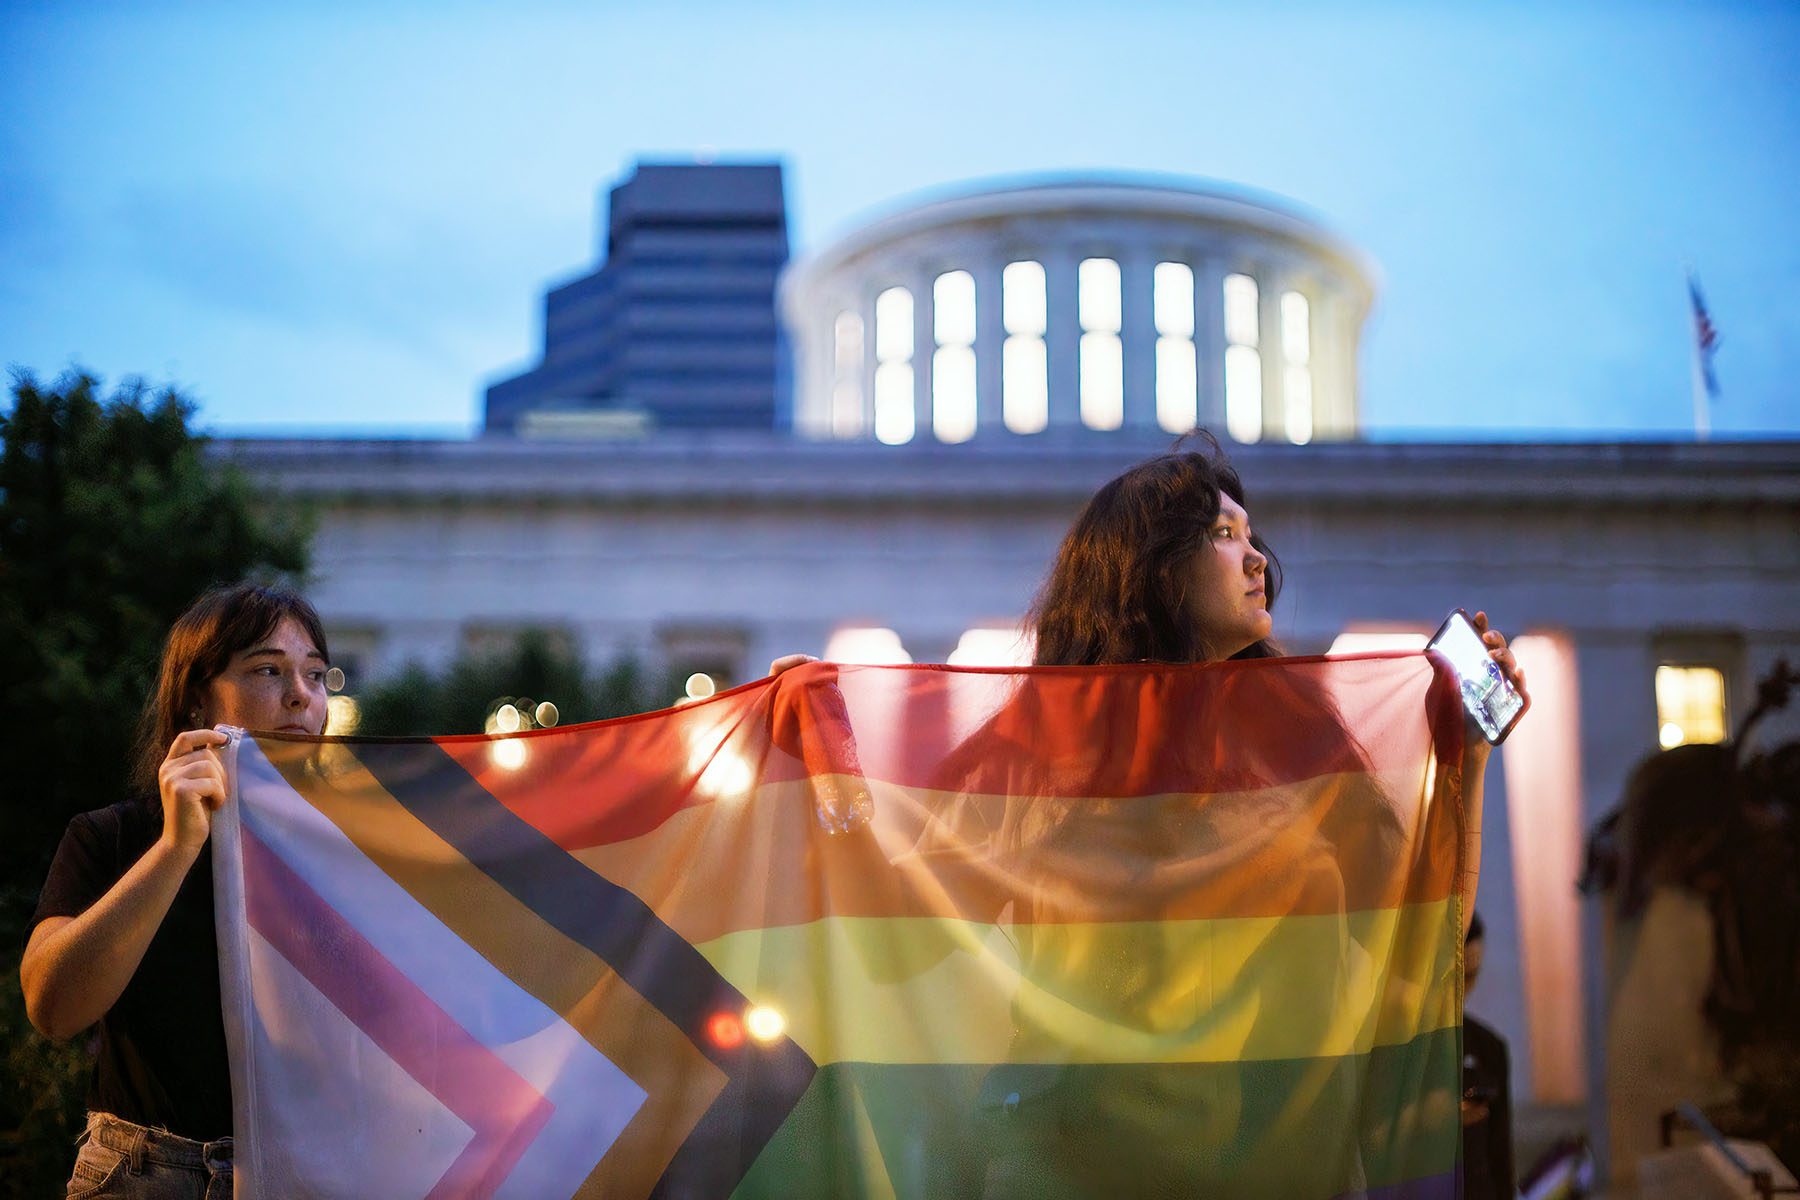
1706	337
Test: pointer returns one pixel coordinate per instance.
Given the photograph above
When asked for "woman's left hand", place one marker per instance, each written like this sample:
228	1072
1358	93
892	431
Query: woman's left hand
1497	649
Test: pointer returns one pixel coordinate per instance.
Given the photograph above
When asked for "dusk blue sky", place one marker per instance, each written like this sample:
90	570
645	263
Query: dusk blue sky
345	219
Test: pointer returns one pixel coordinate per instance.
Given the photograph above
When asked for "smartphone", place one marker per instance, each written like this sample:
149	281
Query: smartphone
1490	699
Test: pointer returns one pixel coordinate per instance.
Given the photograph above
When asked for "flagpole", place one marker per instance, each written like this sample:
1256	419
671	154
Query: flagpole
1702	415
1697	362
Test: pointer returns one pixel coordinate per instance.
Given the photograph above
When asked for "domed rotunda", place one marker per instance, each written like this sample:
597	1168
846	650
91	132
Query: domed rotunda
1084	304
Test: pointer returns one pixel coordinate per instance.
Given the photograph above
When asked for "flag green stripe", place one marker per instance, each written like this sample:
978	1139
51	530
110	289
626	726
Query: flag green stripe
921	990
1297	1128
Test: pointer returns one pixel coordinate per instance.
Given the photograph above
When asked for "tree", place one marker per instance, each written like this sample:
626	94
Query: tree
111	521
463	697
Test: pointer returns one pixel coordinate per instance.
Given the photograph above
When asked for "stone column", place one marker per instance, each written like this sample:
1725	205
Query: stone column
1329	424
990	340
1137	336
865	308
819	370
812	376
1062	337
920	280
1270	283
1209	339
1347	342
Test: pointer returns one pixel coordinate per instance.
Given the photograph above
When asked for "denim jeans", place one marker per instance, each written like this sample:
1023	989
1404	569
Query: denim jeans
119	1159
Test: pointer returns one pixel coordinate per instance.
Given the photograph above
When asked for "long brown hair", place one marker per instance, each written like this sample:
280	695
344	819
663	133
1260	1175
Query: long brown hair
223	621
1117	591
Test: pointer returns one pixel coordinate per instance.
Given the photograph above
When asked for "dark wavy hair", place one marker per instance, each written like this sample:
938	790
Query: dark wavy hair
1117	592
223	621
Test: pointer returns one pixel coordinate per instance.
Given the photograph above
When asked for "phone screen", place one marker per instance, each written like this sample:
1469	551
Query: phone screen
1487	695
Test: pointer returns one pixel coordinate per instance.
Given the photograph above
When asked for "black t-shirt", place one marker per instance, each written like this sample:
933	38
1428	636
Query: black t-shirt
162	1044
1487	1144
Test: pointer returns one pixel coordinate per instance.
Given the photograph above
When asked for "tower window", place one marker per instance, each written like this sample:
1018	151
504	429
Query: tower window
1024	367
1102	357
1177	379
953	361
893	366
1243	361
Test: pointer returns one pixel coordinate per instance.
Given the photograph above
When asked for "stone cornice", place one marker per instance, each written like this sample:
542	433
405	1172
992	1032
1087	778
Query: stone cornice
684	470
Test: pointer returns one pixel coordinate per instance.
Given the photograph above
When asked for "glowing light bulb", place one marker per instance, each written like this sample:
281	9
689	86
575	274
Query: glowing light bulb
506	719
764	1023
547	715
508	755
342	715
1672	735
725	1030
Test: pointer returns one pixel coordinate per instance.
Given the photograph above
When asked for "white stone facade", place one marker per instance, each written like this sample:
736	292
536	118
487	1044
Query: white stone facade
1085	304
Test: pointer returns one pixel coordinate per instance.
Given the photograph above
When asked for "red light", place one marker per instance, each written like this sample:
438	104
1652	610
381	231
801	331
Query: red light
725	1030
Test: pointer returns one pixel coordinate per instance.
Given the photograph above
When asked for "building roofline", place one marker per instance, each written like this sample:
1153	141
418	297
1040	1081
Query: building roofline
712	467
1107	192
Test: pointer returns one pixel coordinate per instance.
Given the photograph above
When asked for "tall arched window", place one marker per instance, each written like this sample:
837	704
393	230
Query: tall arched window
1177	380
1102	358
1243	361
953	361
893	366
1024	367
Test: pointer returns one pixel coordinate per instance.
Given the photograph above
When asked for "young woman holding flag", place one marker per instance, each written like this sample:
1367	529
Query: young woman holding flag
123	934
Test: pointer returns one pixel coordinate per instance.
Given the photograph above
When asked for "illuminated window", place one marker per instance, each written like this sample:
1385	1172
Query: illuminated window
1243	361
988	647
1177	380
893	366
871	644
1690	705
1296	377
953	362
1024	367
953	309
846	376
1369	641
1243	393
1102	356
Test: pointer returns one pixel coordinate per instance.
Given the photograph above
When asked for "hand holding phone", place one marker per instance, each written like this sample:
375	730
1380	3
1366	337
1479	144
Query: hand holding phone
1488	695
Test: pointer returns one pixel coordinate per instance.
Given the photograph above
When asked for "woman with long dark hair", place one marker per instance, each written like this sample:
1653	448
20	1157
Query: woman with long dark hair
123	934
1163	566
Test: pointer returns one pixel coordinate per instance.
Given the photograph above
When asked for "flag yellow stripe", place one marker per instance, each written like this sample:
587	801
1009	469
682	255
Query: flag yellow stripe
925	990
792	852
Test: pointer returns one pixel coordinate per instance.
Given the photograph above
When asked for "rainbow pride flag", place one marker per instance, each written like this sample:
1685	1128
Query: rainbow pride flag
864	931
